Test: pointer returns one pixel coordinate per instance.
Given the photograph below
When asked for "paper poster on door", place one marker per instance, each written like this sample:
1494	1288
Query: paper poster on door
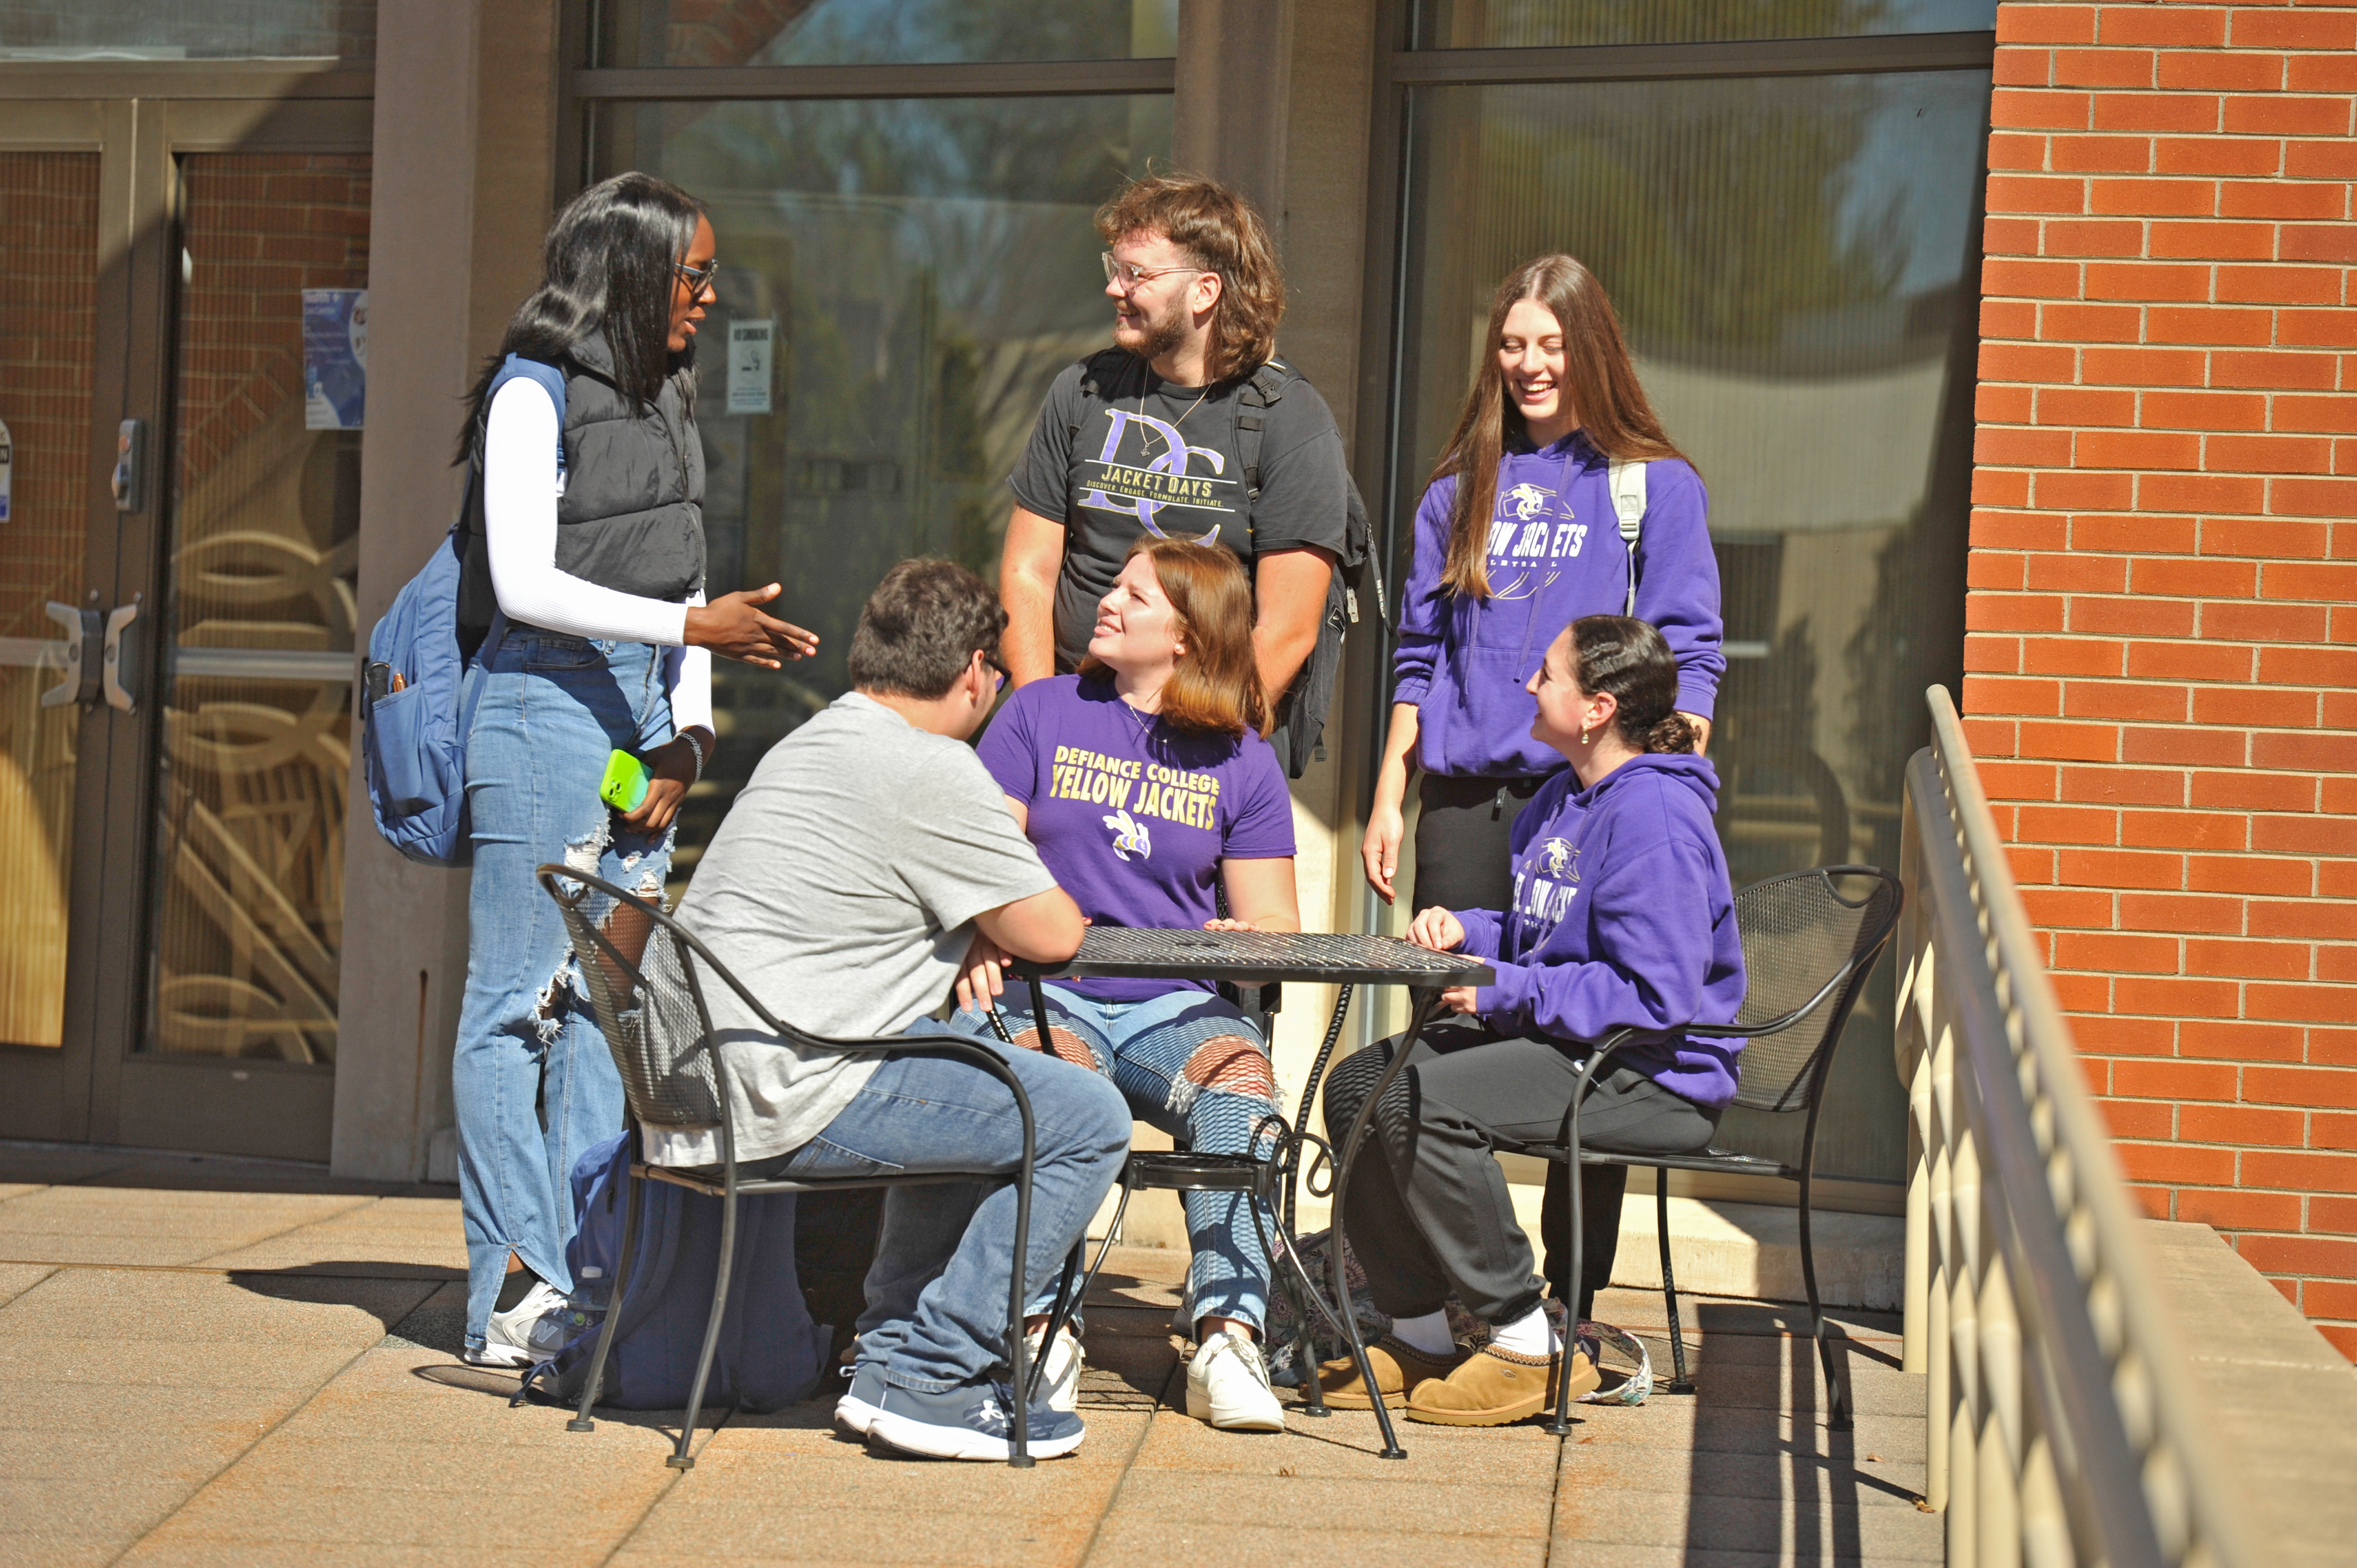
749	343
335	357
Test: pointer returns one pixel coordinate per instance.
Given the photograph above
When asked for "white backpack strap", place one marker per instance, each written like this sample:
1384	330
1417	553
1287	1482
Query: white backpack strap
1629	502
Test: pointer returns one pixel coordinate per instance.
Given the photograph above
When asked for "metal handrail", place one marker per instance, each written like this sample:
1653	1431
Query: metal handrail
2063	1429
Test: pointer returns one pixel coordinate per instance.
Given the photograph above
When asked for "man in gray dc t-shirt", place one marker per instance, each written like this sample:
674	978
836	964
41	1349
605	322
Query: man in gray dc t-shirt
870	859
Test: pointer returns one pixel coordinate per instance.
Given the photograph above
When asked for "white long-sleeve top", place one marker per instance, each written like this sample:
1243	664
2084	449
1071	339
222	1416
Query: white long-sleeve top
519	491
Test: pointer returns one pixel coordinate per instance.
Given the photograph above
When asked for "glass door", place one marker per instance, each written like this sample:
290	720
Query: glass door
184	401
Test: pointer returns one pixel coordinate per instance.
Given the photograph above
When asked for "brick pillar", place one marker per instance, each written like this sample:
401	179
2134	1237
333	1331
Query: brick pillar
2162	613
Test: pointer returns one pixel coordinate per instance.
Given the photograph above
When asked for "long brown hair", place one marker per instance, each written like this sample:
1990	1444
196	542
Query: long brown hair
1214	688
1221	232
1599	378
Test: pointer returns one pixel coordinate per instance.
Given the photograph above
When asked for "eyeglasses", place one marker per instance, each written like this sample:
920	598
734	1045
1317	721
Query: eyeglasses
1128	275
699	278
998	669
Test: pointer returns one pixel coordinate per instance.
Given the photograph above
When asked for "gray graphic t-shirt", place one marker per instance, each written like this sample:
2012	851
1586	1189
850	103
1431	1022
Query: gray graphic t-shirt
842	889
1152	458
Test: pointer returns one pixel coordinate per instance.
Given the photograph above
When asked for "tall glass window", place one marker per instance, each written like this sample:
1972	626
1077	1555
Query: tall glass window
1794	260
880	32
1535	24
900	281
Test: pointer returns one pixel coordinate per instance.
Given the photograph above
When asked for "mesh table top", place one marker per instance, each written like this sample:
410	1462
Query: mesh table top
1257	958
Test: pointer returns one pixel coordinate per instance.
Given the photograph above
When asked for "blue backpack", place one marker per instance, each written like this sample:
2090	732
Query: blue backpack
769	1355
413	741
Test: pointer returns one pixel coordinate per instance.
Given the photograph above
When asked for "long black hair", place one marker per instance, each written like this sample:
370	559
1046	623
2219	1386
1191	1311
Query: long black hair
609	265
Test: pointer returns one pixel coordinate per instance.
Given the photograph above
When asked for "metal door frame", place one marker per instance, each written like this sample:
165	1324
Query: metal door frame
98	1086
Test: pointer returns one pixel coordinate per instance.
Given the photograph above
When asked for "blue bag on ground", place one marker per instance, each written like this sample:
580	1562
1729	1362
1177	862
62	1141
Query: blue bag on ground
769	1354
413	741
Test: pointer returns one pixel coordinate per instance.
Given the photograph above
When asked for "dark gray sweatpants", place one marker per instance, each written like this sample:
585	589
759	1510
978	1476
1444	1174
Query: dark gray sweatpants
1429	1210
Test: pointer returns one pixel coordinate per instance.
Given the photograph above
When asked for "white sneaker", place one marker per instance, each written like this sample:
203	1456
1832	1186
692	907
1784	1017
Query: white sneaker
1059	1386
532	1331
1227	1385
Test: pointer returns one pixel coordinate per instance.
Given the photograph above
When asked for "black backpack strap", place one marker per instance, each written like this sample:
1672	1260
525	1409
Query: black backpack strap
1100	376
1260	393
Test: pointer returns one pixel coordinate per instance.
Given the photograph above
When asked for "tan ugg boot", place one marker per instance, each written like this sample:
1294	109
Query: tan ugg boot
1492	1387
1398	1366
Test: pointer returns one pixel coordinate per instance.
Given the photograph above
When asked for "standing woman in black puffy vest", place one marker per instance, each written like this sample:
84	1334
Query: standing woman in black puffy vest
584	582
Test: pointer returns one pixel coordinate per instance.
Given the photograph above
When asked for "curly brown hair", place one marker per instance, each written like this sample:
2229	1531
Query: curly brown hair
1222	233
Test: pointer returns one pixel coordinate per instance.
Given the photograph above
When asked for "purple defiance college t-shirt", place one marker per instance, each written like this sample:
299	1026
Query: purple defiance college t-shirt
1131	816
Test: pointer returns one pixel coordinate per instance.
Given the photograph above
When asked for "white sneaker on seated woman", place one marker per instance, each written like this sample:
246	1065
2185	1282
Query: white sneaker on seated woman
1146	785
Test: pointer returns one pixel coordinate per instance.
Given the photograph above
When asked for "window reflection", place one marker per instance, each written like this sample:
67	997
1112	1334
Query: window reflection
919	271
1537	24
1791	259
188	29
880	32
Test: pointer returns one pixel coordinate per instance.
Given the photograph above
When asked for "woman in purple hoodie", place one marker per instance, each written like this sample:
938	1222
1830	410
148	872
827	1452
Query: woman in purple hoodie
1619	913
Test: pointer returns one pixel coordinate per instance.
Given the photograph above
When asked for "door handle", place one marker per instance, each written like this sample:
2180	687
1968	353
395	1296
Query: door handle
81	684
122	649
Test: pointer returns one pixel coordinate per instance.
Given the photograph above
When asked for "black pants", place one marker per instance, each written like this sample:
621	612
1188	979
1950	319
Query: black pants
1428	1209
1462	861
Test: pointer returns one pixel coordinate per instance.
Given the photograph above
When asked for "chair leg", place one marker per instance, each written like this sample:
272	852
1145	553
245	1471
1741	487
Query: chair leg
1560	1424
680	1458
1837	1403
589	1390
1679	1383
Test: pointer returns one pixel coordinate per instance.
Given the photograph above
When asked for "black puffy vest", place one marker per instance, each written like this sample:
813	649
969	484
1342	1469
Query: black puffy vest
632	515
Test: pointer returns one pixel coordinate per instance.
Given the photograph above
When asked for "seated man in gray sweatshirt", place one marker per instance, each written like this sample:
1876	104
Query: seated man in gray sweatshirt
845	887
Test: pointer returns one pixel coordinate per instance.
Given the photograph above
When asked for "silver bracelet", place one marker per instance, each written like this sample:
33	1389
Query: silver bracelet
696	747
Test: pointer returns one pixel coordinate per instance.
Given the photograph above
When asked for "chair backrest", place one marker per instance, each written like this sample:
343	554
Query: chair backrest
649	1005
1810	940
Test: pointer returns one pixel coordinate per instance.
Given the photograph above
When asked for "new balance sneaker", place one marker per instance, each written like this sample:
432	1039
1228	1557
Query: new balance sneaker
854	1413
530	1332
1059	1385
1227	1385
971	1420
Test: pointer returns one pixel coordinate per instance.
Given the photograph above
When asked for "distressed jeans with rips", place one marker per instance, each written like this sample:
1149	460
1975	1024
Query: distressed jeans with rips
530	1078
1190	1065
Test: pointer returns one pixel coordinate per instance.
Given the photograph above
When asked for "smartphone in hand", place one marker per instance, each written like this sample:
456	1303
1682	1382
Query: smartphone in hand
626	781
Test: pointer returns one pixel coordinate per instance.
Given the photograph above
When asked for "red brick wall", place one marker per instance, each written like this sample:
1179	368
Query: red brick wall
2162	649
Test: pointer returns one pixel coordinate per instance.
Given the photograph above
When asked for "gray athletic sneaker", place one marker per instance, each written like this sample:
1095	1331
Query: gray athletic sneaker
969	1421
854	1413
532	1331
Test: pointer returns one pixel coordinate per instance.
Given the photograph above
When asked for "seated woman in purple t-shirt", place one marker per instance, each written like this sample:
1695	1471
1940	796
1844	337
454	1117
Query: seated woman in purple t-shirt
1145	784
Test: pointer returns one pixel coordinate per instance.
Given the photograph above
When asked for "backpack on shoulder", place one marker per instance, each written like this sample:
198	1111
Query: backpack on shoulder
769	1354
1628	478
1302	709
414	739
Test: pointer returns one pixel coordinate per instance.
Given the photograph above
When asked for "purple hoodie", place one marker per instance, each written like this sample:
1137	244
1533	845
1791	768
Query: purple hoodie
1622	915
1554	555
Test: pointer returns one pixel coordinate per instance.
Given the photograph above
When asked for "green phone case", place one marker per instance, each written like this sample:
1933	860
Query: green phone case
625	783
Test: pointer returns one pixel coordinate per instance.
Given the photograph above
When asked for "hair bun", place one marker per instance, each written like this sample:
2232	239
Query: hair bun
1676	733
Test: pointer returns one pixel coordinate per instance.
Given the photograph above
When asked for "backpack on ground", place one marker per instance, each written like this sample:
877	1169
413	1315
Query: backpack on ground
414	740
1302	709
769	1354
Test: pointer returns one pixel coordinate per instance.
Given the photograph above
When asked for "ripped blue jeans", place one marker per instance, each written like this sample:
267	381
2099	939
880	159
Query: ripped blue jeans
532	1083
1189	1064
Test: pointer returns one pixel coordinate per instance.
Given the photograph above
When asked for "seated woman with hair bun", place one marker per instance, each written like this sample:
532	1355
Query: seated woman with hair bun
1621	915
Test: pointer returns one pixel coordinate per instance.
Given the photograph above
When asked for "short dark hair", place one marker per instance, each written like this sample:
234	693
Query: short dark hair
921	628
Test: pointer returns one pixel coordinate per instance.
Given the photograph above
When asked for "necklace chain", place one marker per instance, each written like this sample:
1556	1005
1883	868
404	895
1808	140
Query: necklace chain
1182	418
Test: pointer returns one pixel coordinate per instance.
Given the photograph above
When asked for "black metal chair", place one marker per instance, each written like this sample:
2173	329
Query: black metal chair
1267	1178
641	970
1808	947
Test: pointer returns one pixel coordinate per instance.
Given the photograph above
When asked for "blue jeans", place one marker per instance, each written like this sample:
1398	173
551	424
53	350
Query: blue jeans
1188	1063
530	1076
936	1312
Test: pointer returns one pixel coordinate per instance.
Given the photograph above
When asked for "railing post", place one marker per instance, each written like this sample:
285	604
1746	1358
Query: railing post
1999	1459
1964	1352
1939	1397
1917	1012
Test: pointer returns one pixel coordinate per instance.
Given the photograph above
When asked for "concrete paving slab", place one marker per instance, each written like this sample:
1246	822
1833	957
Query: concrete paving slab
1138	1542
206	1307
143	1364
1326	1504
9	1189
15	1279
1683	1423
391	1235
50	1551
438	1323
175	1551
67	1409
1809	1532
1623	1554
120	1512
1345	1447
898	1527
1679	1472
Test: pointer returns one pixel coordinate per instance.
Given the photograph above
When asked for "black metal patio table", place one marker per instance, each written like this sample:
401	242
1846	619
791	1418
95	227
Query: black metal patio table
1262	958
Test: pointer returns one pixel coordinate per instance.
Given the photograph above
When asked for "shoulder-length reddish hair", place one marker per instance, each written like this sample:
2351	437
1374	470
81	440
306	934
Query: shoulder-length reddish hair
1598	378
1215	688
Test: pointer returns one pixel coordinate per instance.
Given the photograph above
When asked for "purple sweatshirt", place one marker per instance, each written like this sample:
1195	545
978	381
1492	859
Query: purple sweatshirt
1554	555
1654	942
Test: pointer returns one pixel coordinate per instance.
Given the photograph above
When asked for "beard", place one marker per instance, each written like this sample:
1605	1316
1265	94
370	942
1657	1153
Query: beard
1154	337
